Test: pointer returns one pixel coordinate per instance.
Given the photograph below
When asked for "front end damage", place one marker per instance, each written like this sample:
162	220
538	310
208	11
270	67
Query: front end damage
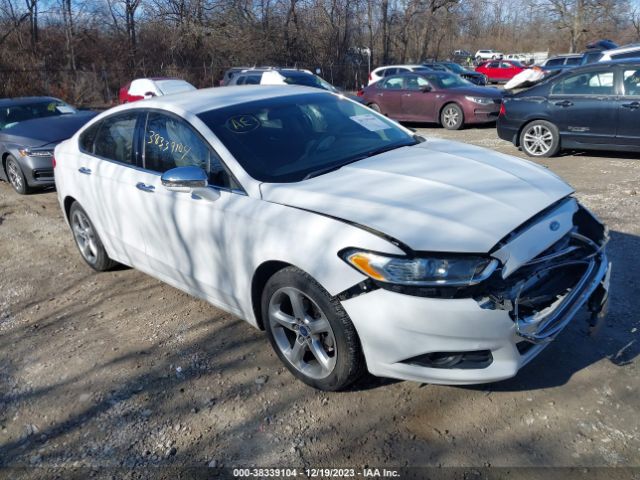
550	268
544	293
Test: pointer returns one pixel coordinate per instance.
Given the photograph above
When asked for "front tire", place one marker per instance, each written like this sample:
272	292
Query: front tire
452	117
87	240
540	139
375	107
310	331
16	177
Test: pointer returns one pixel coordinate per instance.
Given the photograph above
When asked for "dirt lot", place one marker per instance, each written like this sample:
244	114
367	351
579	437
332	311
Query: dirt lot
120	370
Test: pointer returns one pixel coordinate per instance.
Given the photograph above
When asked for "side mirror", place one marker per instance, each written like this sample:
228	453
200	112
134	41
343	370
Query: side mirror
193	180
184	179
426	88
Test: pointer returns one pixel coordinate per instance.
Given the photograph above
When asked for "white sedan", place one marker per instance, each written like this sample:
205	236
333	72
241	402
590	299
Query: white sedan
353	242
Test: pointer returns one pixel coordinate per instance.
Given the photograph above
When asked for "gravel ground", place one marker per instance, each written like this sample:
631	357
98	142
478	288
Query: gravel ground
117	370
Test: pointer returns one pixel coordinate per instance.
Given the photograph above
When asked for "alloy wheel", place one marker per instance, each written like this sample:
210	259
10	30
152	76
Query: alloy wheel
302	332
451	117
15	175
84	236
538	140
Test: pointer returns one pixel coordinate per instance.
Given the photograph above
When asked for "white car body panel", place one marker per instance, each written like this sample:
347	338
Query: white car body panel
438	196
442	210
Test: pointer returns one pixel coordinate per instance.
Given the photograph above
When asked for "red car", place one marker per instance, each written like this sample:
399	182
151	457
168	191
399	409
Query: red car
500	70
438	97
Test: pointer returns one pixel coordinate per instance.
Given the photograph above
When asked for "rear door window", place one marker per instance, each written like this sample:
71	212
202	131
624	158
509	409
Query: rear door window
632	54
115	138
631	82
554	61
393	83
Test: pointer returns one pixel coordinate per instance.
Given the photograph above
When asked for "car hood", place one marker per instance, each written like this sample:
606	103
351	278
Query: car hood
479	91
40	132
437	196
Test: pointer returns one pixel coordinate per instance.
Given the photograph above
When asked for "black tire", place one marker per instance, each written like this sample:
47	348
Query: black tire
452	117
547	136
348	360
375	107
94	254
16	176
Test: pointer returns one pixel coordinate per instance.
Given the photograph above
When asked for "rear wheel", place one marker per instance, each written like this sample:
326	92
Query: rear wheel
540	139
452	117
375	107
87	240
310	331
16	177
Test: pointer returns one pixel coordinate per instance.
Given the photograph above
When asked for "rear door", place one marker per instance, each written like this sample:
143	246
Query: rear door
583	106
629	107
388	96
417	104
108	170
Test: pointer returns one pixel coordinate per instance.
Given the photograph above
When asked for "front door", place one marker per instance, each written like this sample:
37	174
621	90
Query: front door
388	96
585	107
628	132
190	240
418	99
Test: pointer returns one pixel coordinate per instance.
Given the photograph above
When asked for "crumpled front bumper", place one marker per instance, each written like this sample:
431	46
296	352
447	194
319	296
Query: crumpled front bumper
408	336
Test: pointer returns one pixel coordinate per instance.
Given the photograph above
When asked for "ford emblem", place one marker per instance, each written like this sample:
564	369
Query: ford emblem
554	226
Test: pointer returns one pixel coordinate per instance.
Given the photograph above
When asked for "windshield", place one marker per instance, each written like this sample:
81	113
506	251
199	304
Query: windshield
445	81
167	87
287	139
308	80
454	67
14	114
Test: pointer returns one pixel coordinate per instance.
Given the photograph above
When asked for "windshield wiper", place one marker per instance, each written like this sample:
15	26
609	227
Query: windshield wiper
371	153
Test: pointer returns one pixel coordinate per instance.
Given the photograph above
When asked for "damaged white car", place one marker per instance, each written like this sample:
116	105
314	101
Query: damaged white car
353	242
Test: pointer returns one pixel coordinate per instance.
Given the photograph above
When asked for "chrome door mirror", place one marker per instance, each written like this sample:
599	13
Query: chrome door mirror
184	179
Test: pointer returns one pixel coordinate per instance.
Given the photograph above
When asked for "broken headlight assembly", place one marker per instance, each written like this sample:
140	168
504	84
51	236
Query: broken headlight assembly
426	271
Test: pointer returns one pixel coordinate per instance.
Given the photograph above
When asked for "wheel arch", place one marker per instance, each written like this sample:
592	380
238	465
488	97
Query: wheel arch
259	280
68	201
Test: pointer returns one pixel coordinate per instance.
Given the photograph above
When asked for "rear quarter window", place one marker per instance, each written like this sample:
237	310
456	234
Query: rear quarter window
87	138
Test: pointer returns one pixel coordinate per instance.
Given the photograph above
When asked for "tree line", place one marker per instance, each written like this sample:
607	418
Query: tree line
83	50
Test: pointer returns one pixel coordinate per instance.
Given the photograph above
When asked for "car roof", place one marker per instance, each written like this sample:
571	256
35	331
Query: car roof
198	101
10	102
404	65
623	49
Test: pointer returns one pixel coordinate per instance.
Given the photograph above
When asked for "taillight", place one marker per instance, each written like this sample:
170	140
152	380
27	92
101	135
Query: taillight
370	77
503	111
53	161
360	93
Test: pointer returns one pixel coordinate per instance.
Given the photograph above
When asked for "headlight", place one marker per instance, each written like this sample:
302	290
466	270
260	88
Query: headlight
35	153
481	100
435	270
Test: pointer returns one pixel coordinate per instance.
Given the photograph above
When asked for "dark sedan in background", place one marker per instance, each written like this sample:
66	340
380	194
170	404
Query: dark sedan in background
437	97
469	75
592	107
30	128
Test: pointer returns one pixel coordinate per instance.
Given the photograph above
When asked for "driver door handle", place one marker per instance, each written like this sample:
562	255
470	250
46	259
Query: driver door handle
145	188
564	104
85	170
632	105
